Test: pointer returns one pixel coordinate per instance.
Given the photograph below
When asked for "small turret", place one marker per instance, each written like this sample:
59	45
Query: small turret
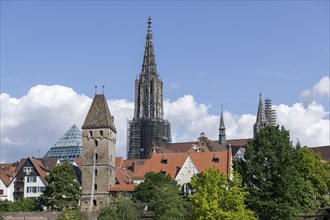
222	131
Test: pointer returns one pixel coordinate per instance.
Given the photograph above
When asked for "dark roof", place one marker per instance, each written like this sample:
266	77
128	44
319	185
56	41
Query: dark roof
99	114
180	147
323	151
238	142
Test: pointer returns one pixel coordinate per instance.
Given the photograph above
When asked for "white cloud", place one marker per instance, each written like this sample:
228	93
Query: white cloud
320	91
37	120
306	124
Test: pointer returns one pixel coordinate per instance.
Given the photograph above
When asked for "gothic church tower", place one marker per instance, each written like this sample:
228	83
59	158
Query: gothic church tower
261	121
98	169
148	127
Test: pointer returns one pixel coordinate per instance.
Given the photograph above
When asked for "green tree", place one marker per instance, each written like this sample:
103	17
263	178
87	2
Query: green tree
63	190
145	190
121	209
269	171
217	197
316	179
163	196
21	205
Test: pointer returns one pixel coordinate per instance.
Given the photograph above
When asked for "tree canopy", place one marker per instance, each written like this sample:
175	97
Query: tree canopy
163	196
276	173
121	209
217	197
63	190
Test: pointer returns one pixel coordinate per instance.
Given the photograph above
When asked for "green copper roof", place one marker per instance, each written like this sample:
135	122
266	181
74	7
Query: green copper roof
222	123
99	114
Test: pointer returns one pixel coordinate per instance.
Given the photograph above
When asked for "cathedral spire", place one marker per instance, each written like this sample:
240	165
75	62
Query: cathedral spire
222	131
149	66
261	117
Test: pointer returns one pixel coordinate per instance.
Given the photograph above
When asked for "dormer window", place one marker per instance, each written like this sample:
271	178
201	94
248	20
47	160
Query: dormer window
164	161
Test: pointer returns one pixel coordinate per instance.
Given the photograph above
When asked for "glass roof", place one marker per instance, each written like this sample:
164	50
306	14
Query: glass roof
71	138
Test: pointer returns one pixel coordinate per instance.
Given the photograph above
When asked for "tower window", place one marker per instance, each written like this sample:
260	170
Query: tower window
101	133
94	202
95	172
110	172
95	186
96	157
96	143
90	134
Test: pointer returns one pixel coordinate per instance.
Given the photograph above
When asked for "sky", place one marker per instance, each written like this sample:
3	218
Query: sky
208	54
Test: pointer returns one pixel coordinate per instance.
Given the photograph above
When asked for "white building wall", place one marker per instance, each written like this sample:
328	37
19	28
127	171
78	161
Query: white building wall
187	171
6	191
37	184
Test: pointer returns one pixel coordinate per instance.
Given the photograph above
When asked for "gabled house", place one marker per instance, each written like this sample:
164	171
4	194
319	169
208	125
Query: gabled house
6	189
29	180
180	166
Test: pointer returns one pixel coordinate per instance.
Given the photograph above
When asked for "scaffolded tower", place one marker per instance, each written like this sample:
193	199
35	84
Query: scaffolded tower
266	115
270	112
148	127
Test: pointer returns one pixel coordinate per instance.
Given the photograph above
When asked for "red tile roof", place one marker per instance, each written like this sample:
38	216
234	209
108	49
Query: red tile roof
124	181
5	177
169	163
220	160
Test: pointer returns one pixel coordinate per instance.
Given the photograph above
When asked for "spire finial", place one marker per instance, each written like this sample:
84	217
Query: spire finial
149	22
103	89
95	90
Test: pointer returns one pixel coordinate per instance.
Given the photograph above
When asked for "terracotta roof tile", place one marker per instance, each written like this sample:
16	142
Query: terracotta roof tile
124	181
5	177
218	160
170	163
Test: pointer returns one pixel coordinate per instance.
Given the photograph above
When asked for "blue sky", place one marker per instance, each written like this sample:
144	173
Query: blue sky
208	53
219	52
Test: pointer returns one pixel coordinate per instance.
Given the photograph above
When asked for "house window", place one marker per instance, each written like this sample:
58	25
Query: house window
31	189
40	189
1	191
216	160
101	133
31	179
90	134
163	172
28	170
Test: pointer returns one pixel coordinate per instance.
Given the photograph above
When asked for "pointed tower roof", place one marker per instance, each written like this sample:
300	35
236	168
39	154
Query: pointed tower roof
149	66
222	123
99	114
261	116
71	138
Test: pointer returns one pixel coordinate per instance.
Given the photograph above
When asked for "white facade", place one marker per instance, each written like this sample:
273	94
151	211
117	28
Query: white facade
33	187
6	192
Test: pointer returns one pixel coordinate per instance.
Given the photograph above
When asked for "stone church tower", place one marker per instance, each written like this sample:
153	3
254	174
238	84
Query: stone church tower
261	121
98	169
148	127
